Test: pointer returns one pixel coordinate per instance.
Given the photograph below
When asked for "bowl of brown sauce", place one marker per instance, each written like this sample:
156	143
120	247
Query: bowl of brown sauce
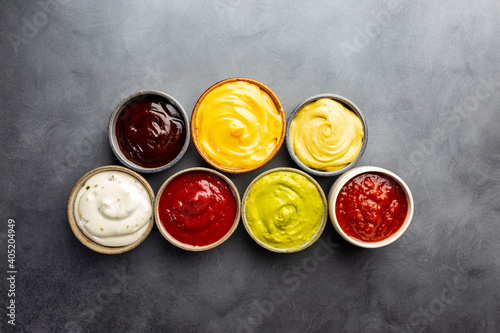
149	131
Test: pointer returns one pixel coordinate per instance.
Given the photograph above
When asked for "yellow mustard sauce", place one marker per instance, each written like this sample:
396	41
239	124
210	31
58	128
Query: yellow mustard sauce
325	135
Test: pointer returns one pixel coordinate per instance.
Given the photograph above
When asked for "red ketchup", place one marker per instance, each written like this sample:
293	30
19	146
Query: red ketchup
197	208
150	131
371	207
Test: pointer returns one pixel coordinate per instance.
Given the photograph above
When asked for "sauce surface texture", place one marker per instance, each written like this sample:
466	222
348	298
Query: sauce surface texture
197	208
371	207
113	208
325	135
284	209
150	131
238	125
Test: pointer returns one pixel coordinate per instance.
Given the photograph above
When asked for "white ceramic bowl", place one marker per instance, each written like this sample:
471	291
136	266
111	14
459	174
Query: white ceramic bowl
342	180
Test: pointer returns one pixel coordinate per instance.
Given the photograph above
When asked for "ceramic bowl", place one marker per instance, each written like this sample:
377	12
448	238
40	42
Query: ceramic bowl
305	244
136	98
342	180
207	157
190	247
79	233
349	105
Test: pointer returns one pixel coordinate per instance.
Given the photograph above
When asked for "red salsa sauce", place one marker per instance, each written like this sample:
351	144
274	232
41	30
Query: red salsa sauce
197	208
150	131
371	207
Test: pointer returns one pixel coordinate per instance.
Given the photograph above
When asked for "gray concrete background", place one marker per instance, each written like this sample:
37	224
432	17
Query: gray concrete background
424	73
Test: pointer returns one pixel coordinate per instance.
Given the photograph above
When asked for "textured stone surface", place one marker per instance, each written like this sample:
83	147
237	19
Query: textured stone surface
426	76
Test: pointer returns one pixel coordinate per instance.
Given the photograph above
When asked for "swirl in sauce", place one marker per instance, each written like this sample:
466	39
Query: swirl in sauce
284	209
325	135
150	131
113	208
197	208
238	125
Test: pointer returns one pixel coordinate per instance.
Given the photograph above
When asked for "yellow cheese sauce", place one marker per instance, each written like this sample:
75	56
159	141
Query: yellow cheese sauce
238	125
284	209
325	135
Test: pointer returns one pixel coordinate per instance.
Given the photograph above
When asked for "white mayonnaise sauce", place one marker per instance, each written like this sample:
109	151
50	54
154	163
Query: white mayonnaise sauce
113	208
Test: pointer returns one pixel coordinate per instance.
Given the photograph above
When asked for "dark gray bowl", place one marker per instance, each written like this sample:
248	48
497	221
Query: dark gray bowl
347	103
114	143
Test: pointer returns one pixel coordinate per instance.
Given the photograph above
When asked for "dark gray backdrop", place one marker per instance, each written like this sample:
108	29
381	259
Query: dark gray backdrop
424	73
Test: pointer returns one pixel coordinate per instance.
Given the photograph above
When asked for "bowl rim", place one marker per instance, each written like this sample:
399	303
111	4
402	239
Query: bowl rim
342	180
113	141
79	233
189	247
276	102
352	107
318	232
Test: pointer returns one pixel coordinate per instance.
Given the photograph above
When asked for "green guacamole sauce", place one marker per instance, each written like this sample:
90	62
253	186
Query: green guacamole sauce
284	209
